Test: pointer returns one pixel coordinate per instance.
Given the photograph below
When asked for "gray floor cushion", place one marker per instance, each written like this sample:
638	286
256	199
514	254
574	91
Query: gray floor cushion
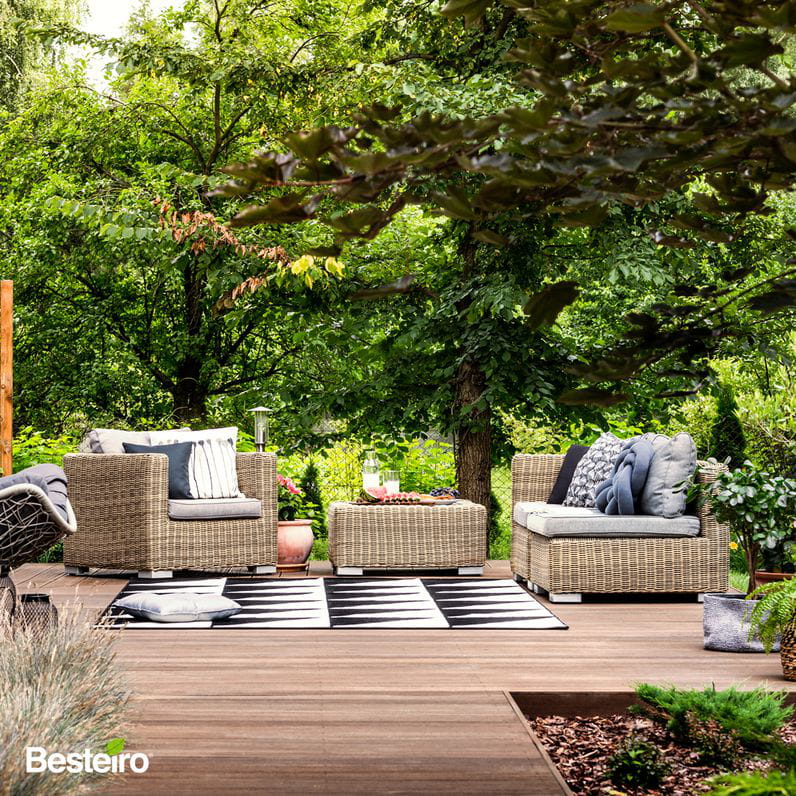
178	607
552	520
215	509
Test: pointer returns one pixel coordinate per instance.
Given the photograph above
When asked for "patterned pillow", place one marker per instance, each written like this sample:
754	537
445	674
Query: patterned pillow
212	471
592	470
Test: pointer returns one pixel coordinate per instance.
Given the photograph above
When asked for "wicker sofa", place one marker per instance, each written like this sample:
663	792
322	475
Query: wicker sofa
567	567
122	509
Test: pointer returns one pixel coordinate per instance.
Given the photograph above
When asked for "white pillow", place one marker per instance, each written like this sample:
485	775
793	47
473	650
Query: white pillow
181	607
212	471
111	440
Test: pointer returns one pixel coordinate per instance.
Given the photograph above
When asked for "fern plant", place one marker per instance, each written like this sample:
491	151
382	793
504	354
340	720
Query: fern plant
774	611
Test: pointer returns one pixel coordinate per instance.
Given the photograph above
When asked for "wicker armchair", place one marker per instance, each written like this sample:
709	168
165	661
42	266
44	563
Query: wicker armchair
121	504
568	567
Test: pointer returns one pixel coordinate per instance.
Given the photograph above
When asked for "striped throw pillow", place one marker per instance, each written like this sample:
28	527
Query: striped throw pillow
212	471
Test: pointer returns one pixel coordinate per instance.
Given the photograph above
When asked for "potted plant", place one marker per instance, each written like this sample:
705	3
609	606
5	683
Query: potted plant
773	619
759	509
294	527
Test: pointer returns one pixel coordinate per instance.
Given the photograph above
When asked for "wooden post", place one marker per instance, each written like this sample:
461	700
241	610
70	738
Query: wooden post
6	375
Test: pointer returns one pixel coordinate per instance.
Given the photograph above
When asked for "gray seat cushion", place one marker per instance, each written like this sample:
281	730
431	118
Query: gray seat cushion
552	520
215	509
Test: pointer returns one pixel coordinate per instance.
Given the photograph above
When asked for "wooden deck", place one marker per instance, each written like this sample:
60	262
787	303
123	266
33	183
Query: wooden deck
380	711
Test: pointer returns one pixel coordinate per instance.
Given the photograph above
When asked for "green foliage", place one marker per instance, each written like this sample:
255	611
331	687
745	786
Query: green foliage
753	716
637	764
696	416
712	741
31	447
311	486
755	783
759	507
775	610
592	148
291	500
727	441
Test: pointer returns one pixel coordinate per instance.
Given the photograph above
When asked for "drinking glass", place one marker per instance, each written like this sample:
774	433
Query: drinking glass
392	481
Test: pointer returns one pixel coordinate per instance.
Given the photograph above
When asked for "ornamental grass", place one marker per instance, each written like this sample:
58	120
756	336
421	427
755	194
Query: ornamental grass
60	690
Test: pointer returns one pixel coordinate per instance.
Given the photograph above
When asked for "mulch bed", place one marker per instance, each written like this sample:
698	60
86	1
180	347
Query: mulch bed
582	746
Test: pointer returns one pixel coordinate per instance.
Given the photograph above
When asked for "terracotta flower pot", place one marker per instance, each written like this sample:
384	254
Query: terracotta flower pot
293	543
762	577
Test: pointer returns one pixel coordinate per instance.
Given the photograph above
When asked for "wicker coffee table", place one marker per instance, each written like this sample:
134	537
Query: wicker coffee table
407	537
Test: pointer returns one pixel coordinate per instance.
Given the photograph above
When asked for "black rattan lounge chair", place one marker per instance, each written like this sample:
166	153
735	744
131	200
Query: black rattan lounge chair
34	514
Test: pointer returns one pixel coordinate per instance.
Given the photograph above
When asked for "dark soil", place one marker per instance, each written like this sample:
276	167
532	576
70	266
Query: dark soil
582	746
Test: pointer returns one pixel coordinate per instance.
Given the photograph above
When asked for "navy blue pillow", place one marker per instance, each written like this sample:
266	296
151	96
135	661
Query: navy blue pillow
179	454
560	487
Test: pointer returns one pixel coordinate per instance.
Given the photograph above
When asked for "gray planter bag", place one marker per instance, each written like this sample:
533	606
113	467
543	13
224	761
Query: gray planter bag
725	623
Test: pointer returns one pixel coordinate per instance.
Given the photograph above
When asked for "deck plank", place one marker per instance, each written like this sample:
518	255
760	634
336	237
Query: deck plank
380	711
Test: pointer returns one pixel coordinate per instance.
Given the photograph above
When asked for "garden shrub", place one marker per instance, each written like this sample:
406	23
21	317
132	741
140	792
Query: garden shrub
31	447
310	484
712	741
754	716
755	783
696	417
637	764
727	440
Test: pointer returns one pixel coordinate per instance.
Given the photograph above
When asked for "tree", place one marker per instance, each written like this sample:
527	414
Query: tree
132	287
727	440
20	56
622	103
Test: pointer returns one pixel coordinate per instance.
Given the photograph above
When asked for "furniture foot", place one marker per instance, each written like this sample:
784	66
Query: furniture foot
700	597
151	574
535	588
565	597
471	570
264	569
72	570
344	571
518	578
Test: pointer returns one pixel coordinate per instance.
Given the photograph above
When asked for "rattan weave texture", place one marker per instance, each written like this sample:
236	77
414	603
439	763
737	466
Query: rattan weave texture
407	537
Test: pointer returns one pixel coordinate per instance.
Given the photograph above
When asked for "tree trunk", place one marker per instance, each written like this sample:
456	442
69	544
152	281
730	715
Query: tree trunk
190	393
190	390
473	436
473	425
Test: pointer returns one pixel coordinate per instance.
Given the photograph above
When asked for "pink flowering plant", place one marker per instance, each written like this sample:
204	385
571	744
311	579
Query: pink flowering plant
290	499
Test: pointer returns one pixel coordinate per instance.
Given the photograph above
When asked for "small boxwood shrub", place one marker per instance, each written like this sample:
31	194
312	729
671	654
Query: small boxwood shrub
637	764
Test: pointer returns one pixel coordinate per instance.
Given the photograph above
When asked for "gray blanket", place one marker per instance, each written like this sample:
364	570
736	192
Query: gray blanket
50	478
620	493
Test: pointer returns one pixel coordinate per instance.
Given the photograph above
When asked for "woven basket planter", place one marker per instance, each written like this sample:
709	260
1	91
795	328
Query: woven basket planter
787	652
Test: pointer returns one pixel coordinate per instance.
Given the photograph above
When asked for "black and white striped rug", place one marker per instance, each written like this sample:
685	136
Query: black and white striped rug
354	603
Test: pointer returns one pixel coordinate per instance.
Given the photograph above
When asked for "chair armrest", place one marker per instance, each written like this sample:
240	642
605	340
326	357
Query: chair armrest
533	476
117	498
709	526
257	479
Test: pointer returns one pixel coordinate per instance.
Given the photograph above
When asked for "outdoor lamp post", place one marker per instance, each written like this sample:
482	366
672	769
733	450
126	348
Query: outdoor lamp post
260	427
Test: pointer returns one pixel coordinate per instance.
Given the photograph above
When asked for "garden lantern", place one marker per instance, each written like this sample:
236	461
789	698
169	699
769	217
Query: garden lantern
260	427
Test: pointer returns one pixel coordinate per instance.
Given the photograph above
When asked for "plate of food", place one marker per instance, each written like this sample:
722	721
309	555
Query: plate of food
437	500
